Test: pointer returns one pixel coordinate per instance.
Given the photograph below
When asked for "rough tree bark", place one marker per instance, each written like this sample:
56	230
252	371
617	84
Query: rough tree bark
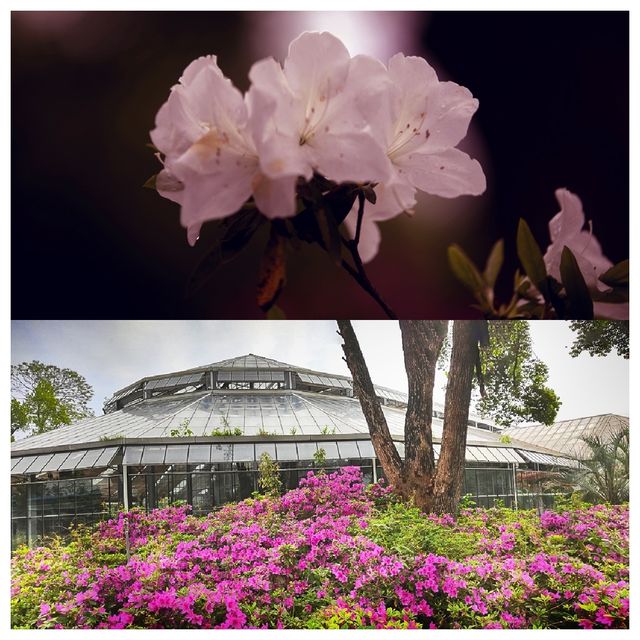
433	488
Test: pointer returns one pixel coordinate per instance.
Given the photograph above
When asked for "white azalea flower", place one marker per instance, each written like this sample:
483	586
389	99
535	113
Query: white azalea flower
566	229
419	122
211	164
304	115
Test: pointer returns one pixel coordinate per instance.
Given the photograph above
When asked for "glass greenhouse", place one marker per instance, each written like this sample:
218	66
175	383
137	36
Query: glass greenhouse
197	436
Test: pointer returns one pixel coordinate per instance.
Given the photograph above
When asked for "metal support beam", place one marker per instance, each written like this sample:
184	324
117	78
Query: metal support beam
125	487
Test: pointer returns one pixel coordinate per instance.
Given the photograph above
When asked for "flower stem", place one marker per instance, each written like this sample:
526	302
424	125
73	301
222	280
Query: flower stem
358	272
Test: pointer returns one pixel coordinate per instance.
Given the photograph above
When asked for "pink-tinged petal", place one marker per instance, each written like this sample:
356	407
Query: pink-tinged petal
449	174
449	110
215	102
282	157
176	128
350	157
193	233
592	262
369	234
570	220
214	196
364	100
609	311
272	105
168	186
392	199
275	198
316	66
193	68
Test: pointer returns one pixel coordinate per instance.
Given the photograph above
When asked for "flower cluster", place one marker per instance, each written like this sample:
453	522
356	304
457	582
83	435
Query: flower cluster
323	112
318	557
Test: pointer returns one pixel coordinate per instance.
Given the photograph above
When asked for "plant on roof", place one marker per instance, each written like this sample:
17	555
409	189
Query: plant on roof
183	431
226	431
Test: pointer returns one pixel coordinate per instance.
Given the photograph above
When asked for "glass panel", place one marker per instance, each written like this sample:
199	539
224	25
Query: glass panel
251	376
132	455
51	498
84	497
400	447
23	464
72	460
138	490
366	449
243	453
176	454
66	491
14	462
153	454
277	375
330	450
224	376
201	489
106	457
38	463
286	451
265	376
160	490
269	448
306	450
221	453
178	487
18	500
348	449
90	459
199	453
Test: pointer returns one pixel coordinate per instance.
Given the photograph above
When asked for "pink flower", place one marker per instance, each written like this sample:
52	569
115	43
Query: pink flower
566	229
419	121
211	164
305	115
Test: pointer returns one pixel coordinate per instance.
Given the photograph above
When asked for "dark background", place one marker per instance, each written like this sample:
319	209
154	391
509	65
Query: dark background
89	242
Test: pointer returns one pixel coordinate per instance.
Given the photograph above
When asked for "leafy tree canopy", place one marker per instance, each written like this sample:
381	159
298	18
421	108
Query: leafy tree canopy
45	397
512	385
600	337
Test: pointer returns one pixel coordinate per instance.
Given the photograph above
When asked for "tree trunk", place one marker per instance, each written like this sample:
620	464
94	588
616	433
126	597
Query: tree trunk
450	472
421	343
383	445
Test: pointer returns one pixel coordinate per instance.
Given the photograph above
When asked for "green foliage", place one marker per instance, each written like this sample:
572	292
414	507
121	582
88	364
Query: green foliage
320	458
183	431
604	475
355	617
45	397
226	431
514	379
403	529
600	337
536	294
269	475
327	431
505	439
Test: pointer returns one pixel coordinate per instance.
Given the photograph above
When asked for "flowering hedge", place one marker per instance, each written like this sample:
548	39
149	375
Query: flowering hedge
332	554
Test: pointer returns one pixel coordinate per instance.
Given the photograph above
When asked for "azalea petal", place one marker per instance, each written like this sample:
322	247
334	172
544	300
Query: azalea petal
611	311
449	110
214	196
276	119
449	174
316	66
392	198
369	234
350	157
570	220
275	198
196	66
176	128
215	102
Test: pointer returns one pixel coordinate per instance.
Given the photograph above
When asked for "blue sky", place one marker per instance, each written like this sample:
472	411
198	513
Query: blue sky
112	354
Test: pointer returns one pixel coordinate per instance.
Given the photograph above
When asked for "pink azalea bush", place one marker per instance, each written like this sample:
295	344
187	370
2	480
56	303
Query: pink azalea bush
331	554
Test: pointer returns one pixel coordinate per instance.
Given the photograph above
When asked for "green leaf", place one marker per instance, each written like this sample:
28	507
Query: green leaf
494	263
234	234
531	258
617	276
580	303
151	182
464	269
